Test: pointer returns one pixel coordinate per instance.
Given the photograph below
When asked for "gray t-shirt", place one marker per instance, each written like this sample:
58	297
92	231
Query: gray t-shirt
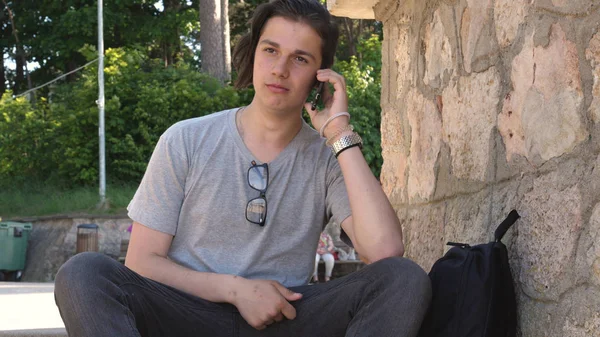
195	188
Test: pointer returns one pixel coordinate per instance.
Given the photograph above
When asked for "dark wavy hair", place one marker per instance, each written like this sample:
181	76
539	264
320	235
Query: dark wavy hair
310	12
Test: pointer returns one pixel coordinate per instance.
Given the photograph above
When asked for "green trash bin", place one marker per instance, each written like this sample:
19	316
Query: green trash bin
13	249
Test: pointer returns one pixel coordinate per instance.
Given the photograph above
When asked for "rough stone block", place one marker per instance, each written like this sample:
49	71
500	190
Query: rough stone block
404	52
469	116
479	48
468	220
423	231
508	15
548	235
541	118
588	256
507	196
589	326
395	159
439	56
592	54
576	315
566	7
426	130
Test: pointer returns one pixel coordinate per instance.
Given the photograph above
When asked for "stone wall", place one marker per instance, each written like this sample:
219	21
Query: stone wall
52	242
490	105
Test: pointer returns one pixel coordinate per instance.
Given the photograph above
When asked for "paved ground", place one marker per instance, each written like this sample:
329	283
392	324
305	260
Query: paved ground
28	310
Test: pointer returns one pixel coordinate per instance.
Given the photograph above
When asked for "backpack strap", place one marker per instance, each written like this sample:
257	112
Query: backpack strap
506	224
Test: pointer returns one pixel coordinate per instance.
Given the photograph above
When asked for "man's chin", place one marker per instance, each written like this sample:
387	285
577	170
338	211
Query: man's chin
284	105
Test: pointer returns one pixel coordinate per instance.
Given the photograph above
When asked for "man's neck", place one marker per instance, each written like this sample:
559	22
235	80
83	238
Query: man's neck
267	133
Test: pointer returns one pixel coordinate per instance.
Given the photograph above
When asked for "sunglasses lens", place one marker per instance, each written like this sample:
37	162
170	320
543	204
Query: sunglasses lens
257	177
256	210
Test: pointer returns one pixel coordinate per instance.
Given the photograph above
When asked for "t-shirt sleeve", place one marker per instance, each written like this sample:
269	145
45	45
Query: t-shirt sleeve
158	200
338	205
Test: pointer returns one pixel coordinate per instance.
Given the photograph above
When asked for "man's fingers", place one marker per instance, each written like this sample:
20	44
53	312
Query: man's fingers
327	96
287	294
327	75
278	317
288	311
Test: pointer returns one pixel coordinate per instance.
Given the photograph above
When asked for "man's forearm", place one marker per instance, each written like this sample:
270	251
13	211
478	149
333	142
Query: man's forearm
209	286
376	228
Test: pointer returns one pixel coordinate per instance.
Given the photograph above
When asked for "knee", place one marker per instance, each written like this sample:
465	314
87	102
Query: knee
81	271
402	273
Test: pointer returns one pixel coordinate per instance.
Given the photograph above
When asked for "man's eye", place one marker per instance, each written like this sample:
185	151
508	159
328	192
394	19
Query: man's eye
301	59
270	50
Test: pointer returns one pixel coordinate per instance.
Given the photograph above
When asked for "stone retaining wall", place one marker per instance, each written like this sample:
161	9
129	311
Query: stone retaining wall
53	240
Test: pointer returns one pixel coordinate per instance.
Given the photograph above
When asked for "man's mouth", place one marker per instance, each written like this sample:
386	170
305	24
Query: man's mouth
276	88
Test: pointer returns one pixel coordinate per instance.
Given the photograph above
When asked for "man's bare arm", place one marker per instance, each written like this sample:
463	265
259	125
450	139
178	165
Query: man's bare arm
374	227
147	256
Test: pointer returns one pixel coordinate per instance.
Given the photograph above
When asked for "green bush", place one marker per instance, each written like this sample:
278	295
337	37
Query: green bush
26	140
364	92
59	140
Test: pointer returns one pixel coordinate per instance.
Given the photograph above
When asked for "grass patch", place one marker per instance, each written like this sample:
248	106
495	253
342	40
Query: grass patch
49	200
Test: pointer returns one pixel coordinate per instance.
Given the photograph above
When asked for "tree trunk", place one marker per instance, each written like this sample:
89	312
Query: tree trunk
71	65
20	75
171	44
20	55
2	74
349	27
214	38
225	31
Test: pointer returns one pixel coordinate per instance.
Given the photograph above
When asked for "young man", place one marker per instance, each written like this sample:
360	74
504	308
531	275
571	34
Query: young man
224	232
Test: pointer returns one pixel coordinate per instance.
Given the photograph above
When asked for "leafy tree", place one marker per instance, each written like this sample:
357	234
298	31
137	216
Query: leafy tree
53	31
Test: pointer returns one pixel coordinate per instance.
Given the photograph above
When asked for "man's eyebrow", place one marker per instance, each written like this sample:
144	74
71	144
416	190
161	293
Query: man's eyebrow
297	51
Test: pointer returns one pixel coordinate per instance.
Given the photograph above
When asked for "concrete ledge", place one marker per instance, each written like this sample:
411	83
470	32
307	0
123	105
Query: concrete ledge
28	309
35	333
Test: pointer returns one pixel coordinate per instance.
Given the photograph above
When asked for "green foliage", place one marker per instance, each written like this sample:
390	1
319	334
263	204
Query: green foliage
364	92
143	98
369	50
26	135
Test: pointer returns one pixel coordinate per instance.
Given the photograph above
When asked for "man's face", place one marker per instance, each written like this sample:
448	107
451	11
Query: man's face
286	61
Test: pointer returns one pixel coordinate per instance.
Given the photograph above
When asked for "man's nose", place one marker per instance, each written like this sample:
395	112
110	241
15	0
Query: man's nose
280	67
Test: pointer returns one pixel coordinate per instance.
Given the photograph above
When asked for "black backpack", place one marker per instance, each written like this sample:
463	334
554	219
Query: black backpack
473	292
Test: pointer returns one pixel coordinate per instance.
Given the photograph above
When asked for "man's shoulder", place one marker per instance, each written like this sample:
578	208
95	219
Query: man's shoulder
195	128
206	121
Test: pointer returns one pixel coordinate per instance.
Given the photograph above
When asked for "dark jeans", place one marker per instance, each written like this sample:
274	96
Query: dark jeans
98	296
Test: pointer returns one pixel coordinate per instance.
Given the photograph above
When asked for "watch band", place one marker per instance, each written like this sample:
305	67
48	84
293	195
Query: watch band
346	142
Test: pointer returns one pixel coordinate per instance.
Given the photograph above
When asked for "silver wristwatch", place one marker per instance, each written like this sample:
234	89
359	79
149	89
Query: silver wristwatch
346	142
